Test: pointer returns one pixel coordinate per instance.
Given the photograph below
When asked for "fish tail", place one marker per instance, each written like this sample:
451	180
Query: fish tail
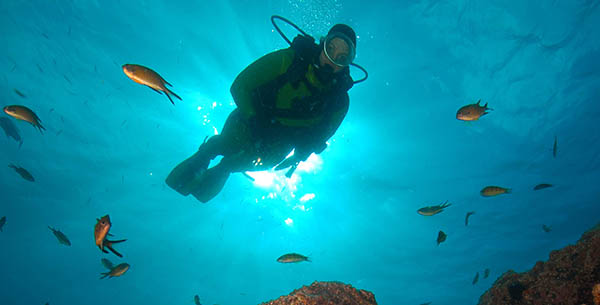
508	191
49	227
40	127
173	93
114	251
104	274
12	166
167	94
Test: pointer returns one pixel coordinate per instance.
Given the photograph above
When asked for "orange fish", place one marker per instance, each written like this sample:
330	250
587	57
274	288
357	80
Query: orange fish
472	112
23	113
490	191
145	76
101	231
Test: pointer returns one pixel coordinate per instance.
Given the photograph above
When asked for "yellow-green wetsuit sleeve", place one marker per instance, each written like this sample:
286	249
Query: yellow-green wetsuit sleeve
256	74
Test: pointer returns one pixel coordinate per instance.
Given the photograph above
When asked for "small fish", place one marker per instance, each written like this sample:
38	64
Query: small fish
292	258
19	93
476	278
118	270
25	114
434	209
490	191
107	264
554	147
23	172
10	129
467	217
146	76
101	229
546	228
197	300
541	186
62	238
2	222
472	112
441	237
486	273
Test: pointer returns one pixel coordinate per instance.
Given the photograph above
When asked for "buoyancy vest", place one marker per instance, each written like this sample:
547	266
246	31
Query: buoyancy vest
298	97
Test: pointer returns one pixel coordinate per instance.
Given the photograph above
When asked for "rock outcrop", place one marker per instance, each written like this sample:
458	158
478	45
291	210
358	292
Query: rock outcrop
571	276
326	293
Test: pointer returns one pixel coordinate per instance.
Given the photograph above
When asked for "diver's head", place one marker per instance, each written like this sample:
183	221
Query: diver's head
339	48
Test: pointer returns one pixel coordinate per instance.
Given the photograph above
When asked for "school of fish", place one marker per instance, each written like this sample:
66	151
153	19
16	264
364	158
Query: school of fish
148	77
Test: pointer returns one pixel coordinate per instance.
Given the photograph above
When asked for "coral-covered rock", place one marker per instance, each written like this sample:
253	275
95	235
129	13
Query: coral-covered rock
568	277
326	293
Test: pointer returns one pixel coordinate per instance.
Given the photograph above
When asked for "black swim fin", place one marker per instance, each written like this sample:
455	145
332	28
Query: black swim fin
210	184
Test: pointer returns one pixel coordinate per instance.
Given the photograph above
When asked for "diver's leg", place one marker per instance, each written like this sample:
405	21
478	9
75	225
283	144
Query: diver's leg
195	165
188	177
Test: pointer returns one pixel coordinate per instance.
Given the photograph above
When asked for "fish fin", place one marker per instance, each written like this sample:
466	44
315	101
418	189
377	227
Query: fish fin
109	234
114	251
167	94
12	166
508	191
40	127
110	242
104	250
157	91
166	82
104	274
478	102
174	94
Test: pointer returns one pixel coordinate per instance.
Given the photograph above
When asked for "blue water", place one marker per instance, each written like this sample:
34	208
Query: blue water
110	143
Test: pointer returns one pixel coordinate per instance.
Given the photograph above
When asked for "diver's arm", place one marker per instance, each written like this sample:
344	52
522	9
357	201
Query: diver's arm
322	132
256	74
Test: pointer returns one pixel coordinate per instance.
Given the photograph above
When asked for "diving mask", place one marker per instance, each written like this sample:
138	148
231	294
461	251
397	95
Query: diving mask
339	49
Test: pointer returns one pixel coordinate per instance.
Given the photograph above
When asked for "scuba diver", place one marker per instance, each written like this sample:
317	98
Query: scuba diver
290	99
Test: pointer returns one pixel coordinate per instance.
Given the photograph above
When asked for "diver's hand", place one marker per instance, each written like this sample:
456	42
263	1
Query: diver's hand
305	46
